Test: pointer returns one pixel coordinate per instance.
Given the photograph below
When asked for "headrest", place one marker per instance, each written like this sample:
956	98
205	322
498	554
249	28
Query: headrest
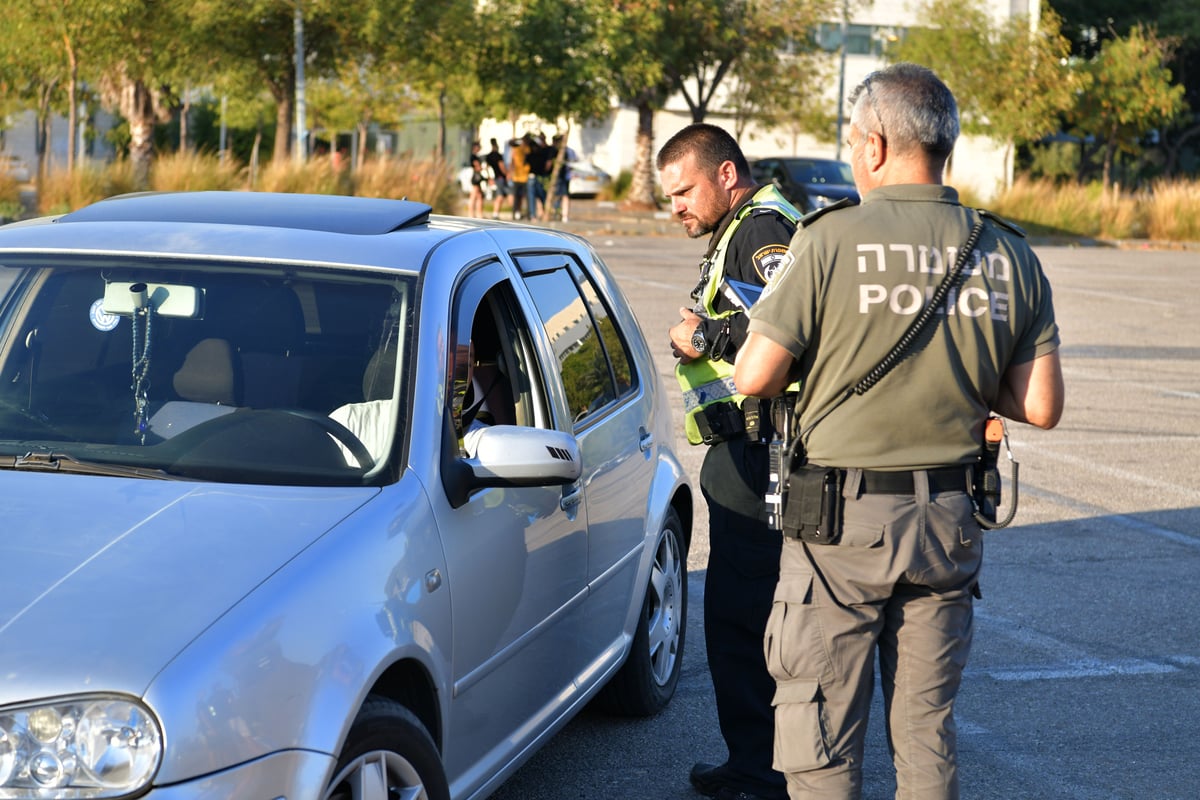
380	376
206	375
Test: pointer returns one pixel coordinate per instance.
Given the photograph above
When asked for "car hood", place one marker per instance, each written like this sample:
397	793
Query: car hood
105	580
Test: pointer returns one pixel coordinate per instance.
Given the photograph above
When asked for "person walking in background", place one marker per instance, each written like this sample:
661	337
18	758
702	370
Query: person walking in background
704	173
540	159
889	564
499	176
478	181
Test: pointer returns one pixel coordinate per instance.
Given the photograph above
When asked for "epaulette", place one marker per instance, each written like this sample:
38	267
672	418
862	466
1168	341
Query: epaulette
1002	222
817	213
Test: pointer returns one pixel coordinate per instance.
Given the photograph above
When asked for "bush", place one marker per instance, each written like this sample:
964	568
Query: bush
618	188
1044	207
194	172
61	192
317	176
10	198
1173	211
404	177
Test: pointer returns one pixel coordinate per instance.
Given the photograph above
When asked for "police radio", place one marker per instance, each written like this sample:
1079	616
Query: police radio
985	488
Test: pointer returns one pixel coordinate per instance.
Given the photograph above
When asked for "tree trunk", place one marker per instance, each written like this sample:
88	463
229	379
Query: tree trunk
184	110
137	106
560	160
642	192
1110	149
72	106
42	132
254	151
441	146
284	111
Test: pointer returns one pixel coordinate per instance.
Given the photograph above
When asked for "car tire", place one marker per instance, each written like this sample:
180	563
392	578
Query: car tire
388	754
646	682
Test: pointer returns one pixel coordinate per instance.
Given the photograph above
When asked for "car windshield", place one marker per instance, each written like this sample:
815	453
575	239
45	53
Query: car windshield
201	370
804	171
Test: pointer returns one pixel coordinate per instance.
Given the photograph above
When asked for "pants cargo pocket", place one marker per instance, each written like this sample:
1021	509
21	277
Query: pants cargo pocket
799	735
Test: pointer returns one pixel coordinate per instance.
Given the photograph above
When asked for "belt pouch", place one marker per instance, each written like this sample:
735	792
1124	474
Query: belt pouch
813	510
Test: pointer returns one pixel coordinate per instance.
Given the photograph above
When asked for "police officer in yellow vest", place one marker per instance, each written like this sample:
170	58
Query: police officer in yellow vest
706	176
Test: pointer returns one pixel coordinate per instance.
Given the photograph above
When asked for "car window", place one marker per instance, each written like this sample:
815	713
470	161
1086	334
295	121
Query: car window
219	371
594	361
492	380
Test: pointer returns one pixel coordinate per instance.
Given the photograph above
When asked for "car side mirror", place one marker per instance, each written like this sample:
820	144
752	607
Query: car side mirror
512	455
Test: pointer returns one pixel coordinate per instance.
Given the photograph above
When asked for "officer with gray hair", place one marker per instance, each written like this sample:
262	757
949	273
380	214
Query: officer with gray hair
882	547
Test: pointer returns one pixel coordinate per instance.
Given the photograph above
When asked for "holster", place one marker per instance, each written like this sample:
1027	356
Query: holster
813	510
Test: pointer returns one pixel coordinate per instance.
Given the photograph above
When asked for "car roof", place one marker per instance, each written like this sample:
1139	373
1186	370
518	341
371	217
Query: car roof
257	226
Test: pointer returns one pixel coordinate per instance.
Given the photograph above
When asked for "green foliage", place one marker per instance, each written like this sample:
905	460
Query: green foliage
1056	161
1011	83
1129	93
544	57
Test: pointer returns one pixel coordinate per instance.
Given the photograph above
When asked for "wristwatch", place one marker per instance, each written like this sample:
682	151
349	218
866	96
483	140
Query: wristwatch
699	343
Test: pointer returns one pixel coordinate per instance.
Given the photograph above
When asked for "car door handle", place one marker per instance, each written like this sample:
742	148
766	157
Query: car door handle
645	439
571	499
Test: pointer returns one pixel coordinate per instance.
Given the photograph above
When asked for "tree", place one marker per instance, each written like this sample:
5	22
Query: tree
1130	93
793	99
764	45
1091	23
552	64
259	36
1012	82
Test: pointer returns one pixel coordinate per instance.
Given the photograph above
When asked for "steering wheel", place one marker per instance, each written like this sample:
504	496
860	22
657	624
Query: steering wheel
222	435
338	431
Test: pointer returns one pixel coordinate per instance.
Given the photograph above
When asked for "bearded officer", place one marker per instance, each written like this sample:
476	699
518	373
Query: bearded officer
706	176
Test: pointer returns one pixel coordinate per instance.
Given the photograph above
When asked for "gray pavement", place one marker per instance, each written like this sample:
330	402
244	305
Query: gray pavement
1084	677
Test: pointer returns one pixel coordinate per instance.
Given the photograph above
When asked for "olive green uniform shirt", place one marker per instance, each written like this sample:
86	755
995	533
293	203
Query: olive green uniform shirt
853	281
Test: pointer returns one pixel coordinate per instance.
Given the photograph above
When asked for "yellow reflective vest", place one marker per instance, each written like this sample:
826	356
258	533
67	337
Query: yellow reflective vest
705	381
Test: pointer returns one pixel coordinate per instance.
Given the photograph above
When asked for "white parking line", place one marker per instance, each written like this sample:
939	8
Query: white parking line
1069	661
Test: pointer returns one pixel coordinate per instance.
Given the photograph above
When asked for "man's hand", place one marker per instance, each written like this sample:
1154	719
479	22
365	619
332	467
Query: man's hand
681	336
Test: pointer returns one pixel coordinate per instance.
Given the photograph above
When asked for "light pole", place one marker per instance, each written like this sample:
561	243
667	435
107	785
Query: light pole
301	114
841	101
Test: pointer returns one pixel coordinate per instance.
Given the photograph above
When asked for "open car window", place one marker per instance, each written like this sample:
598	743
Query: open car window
206	370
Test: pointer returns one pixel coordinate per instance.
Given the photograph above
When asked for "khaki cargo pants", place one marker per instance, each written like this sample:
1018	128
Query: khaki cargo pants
900	579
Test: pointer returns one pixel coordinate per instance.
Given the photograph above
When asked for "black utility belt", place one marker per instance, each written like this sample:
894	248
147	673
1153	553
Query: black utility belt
942	479
720	422
813	509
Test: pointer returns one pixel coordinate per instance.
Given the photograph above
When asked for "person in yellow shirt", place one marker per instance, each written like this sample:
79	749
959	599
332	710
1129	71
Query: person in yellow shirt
520	173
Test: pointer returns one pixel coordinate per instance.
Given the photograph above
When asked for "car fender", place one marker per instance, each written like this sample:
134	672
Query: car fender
310	642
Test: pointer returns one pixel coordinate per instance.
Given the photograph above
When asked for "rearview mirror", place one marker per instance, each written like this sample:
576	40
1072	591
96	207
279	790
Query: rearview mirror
167	300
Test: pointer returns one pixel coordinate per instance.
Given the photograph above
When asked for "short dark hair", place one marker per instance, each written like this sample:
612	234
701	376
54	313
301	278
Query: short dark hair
711	145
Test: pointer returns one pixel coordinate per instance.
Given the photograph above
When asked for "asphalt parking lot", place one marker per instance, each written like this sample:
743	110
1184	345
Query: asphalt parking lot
1084	677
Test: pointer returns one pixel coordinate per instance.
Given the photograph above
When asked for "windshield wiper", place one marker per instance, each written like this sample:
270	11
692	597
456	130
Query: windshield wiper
62	462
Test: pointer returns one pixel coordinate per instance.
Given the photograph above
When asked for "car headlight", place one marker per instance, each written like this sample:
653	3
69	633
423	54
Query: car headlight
87	747
821	200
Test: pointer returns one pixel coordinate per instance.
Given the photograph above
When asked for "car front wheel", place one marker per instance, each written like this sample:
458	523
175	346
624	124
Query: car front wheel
388	756
646	683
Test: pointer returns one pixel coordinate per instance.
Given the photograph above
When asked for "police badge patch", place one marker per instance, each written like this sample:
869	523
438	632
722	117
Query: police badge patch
768	260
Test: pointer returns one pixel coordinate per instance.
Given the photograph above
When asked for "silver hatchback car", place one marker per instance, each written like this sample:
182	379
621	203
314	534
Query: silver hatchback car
321	497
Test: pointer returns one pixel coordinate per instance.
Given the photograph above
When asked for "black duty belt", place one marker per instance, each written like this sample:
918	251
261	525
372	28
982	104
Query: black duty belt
720	422
942	479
